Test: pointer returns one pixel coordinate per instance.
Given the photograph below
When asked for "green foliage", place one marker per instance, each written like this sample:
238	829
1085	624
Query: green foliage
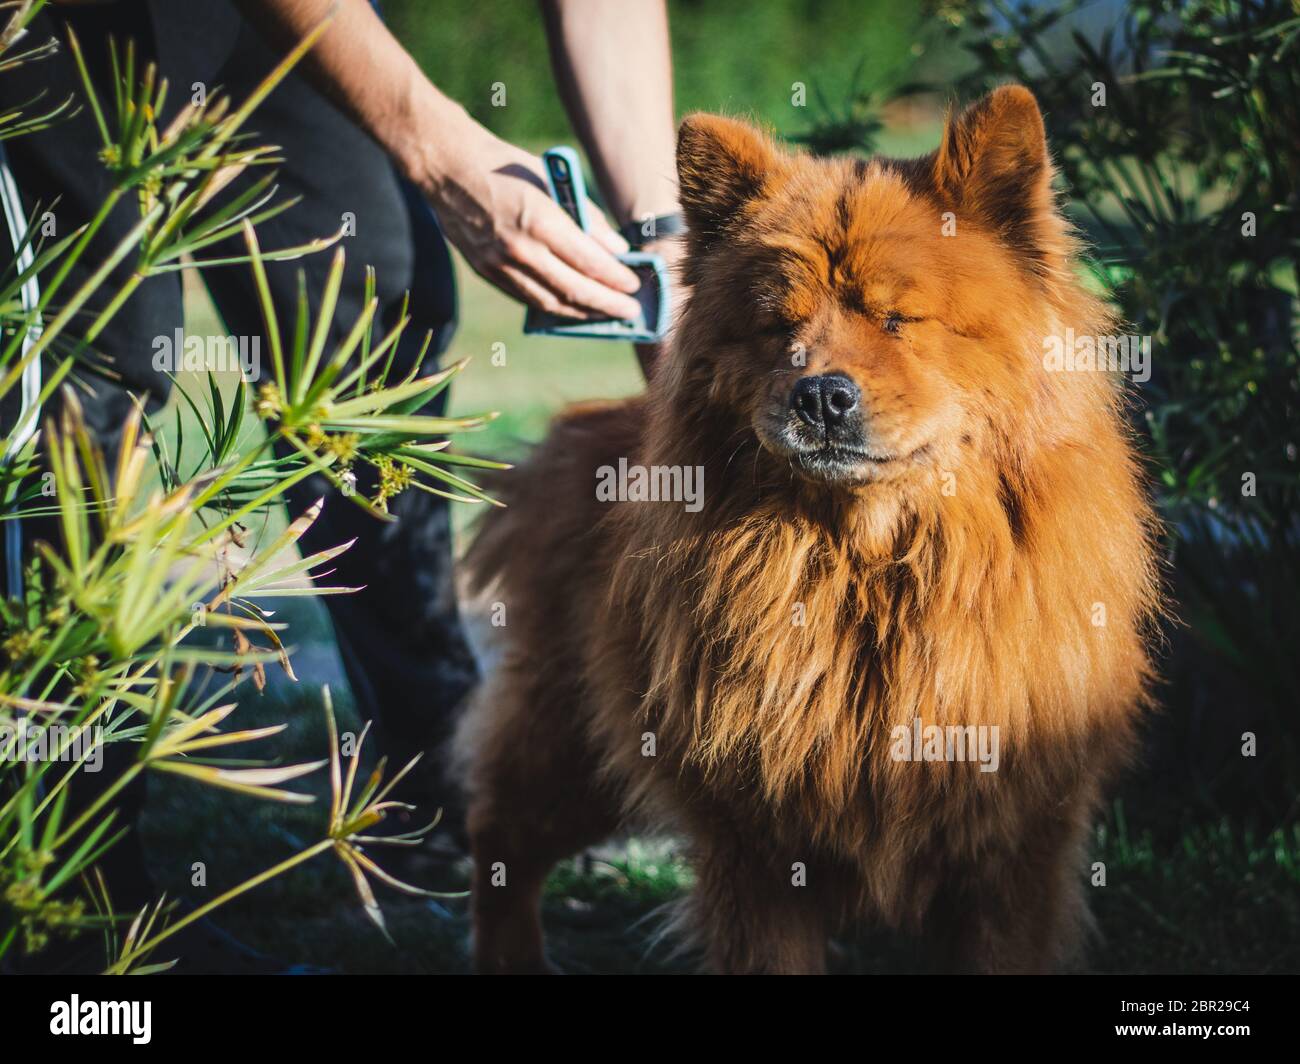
1219	898
103	648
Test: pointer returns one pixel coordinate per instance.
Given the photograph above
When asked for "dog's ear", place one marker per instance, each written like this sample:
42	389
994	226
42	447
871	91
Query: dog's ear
721	165
993	163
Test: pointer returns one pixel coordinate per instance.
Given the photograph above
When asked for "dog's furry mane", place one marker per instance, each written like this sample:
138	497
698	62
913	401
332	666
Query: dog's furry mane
773	641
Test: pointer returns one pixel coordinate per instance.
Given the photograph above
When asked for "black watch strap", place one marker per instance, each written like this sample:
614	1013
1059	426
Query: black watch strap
642	231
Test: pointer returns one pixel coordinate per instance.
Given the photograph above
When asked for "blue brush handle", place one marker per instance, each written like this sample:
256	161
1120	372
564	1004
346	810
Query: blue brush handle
565	182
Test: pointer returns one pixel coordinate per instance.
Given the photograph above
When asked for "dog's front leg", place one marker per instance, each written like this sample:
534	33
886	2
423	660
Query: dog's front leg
755	913
1018	911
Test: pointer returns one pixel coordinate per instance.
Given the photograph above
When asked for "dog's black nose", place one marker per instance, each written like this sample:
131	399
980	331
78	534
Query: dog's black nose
823	402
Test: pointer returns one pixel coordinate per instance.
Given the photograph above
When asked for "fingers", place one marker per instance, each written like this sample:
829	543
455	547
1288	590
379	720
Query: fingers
605	234
528	247
528	271
575	289
518	283
580	250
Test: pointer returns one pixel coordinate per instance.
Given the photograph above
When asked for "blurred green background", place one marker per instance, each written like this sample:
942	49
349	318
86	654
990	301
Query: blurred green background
729	55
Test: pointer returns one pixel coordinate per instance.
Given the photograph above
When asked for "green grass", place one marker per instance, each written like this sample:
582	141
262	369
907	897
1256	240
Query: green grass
1216	899
539	374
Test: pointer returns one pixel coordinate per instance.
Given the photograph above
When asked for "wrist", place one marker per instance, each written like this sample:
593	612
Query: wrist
645	231
440	130
651	206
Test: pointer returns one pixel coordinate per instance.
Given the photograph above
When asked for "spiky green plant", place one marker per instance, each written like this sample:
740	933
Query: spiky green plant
101	647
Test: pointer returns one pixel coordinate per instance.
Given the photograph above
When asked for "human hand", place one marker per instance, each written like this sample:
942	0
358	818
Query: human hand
493	205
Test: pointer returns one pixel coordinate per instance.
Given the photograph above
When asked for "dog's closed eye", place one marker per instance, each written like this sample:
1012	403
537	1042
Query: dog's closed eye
893	322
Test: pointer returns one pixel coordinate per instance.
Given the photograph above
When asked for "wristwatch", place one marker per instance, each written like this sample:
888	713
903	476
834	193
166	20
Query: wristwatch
642	231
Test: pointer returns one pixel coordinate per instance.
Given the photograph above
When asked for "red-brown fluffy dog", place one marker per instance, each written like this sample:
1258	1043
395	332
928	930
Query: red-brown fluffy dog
909	522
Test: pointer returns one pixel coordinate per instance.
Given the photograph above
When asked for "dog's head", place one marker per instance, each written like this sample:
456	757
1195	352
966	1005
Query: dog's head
867	319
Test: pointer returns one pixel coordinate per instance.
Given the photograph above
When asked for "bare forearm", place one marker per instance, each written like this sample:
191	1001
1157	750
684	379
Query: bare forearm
489	195
367	72
613	66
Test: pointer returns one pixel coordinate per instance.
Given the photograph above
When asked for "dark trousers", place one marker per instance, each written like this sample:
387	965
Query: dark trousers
400	638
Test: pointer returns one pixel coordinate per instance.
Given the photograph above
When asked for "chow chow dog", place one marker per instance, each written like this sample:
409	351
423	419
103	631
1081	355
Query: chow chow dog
911	525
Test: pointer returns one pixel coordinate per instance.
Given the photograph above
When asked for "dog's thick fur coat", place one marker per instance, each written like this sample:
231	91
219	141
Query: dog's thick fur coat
989	562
